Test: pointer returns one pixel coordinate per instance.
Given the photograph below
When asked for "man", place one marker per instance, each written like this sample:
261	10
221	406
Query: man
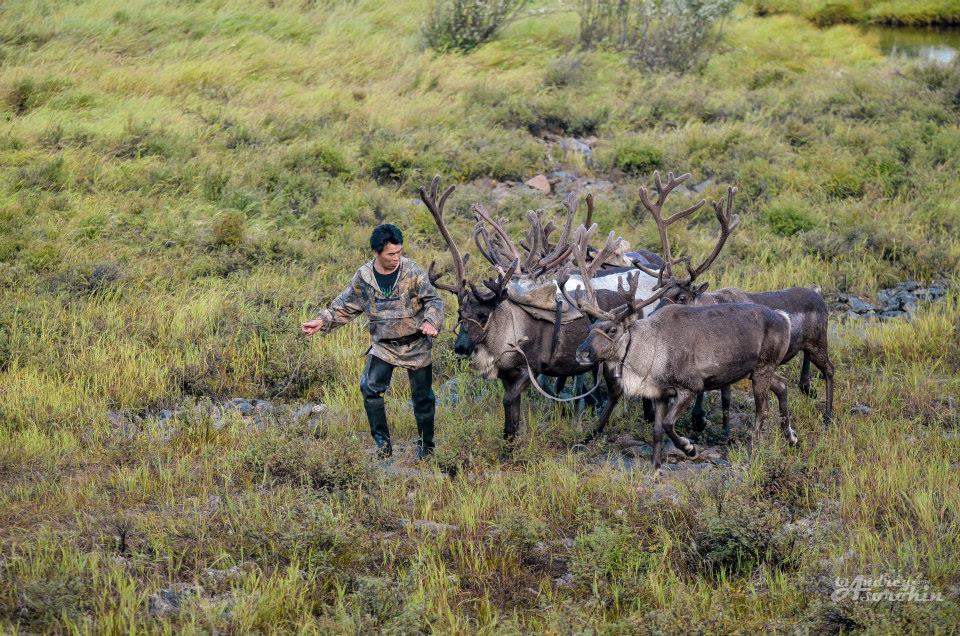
405	312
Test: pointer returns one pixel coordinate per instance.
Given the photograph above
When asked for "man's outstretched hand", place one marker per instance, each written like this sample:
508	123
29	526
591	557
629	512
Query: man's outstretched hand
429	330
311	326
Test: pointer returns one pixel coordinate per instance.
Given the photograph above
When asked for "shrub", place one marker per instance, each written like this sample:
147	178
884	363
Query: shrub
636	157
670	34
44	175
787	218
463	25
229	229
564	71
391	162
28	94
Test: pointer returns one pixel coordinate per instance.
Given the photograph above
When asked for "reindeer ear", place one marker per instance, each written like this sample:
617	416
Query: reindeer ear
702	288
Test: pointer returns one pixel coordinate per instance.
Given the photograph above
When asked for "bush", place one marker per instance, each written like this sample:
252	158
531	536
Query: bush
28	94
564	71
664	35
787	218
229	229
463	25
637	158
389	163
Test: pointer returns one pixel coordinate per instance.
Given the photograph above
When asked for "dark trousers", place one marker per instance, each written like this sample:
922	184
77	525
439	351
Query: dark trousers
376	379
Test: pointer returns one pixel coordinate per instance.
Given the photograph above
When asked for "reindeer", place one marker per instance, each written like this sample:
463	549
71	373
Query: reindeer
681	351
502	340
807	310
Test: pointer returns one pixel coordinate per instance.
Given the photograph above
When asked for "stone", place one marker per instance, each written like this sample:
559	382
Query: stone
262	406
561	176
540	183
308	409
890	315
908	285
165	416
904	297
860	409
701	187
858	305
424	525
564	581
169	600
577	147
244	406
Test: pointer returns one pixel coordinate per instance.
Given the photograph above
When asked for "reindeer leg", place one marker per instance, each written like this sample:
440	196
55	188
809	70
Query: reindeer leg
613	396
681	404
822	361
779	386
660	406
725	408
698	416
649	412
761	390
513	386
806	383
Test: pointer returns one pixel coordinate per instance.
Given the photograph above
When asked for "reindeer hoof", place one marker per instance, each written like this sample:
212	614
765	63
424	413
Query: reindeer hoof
690	451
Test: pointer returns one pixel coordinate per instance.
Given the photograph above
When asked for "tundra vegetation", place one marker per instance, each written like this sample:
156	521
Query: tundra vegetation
182	184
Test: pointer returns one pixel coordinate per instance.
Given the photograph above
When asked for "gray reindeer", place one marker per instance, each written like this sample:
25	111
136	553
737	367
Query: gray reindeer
502	340
681	351
807	310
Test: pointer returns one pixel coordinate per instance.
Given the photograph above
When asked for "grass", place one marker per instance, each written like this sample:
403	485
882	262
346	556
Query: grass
922	13
183	184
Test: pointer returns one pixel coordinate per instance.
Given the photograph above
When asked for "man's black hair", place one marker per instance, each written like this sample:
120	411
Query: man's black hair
383	234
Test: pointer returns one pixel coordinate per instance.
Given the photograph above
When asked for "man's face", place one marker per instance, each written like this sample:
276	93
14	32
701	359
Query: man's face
389	257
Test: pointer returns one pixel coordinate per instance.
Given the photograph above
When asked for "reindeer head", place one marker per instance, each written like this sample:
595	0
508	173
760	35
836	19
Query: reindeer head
543	259
606	338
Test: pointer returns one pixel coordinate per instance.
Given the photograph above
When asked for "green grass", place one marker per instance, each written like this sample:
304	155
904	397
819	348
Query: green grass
896	12
181	184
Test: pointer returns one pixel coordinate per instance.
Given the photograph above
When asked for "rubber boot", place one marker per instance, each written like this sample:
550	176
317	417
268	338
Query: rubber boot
424	408
373	382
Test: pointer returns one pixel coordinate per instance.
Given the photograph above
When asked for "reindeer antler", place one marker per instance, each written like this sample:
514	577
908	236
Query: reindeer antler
436	210
655	208
589	304
723	208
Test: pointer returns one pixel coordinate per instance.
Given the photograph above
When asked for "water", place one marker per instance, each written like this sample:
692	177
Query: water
938	46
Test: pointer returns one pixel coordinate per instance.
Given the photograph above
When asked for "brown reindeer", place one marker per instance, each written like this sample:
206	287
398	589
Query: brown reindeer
502	340
681	351
807	310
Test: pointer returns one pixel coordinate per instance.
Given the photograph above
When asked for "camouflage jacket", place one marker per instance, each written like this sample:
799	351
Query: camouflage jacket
412	301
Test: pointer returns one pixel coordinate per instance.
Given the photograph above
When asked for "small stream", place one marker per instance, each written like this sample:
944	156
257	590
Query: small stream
939	46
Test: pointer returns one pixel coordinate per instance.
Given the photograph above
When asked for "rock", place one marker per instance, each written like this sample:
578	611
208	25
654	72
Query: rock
564	581
701	187
430	526
540	183
244	406
889	315
310	408
626	441
223	575
165	416
638	451
262	406
169	600
567	542
860	409
561	176
577	147
858	305
903	298
908	285
449	392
